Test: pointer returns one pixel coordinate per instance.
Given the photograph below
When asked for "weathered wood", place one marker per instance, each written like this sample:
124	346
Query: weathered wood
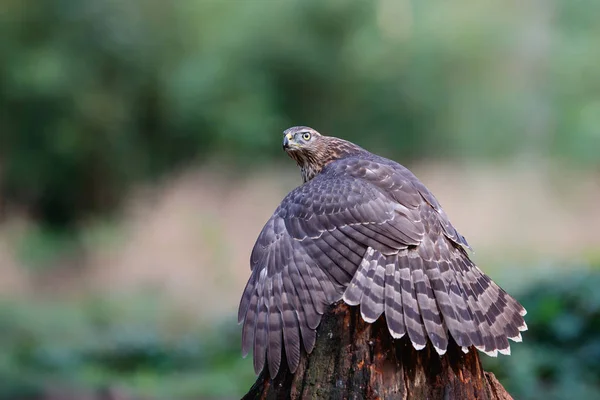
356	360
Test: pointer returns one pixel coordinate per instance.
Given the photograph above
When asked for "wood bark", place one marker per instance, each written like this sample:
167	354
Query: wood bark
356	360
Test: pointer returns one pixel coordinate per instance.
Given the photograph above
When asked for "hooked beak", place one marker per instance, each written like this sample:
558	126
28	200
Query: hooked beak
287	141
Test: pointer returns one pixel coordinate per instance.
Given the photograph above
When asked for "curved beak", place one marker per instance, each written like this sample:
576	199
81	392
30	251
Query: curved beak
287	139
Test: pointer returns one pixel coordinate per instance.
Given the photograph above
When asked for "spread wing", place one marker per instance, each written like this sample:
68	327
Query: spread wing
367	231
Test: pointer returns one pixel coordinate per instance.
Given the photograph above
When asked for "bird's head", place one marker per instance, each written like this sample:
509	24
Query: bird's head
300	139
312	151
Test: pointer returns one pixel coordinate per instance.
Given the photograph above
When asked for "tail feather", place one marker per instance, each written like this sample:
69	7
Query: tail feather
435	293
502	312
448	308
410	307
455	310
354	291
372	304
430	313
484	340
393	299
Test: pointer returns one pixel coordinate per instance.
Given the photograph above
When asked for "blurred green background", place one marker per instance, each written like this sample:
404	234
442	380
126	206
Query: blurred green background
140	155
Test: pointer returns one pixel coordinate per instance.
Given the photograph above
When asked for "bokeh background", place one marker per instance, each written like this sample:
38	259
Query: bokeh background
140	155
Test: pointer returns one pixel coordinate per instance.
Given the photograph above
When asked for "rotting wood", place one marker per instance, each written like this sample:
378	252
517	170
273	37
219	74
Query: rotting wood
356	360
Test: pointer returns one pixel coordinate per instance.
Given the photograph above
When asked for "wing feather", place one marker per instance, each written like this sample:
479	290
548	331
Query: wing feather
428	308
308	315
372	303
291	328
314	289
365	229
410	307
354	291
260	335
393	299
274	333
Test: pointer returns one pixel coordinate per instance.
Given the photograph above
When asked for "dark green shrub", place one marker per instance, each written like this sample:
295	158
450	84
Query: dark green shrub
121	344
560	354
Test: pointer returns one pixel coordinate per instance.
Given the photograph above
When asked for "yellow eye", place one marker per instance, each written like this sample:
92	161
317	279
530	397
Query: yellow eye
306	136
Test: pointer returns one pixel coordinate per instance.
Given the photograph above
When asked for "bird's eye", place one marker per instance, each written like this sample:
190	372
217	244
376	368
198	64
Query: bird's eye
306	136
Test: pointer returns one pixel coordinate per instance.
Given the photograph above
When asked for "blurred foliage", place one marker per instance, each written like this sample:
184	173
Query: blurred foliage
560	354
136	345
101	344
96	94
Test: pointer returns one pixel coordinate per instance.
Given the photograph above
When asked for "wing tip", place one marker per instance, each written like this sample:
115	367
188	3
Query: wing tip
505	351
273	370
348	300
418	346
368	320
523	312
523	327
490	353
258	367
517	339
396	335
293	368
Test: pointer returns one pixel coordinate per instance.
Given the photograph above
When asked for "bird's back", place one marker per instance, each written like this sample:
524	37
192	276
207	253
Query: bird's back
364	229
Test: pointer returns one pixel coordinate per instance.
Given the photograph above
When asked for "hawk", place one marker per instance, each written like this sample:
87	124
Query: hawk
363	229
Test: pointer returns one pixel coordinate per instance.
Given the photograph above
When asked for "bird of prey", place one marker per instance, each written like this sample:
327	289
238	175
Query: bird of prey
364	229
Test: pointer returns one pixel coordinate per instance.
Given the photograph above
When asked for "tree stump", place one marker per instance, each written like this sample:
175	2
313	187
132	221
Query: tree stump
356	360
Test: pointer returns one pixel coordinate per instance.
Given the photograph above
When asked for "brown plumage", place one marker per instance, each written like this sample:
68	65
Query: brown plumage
364	229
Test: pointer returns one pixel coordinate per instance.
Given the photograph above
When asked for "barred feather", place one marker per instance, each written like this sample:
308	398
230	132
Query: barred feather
372	303
354	292
274	333
432	320
393	299
365	229
260	335
412	316
291	336
417	299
